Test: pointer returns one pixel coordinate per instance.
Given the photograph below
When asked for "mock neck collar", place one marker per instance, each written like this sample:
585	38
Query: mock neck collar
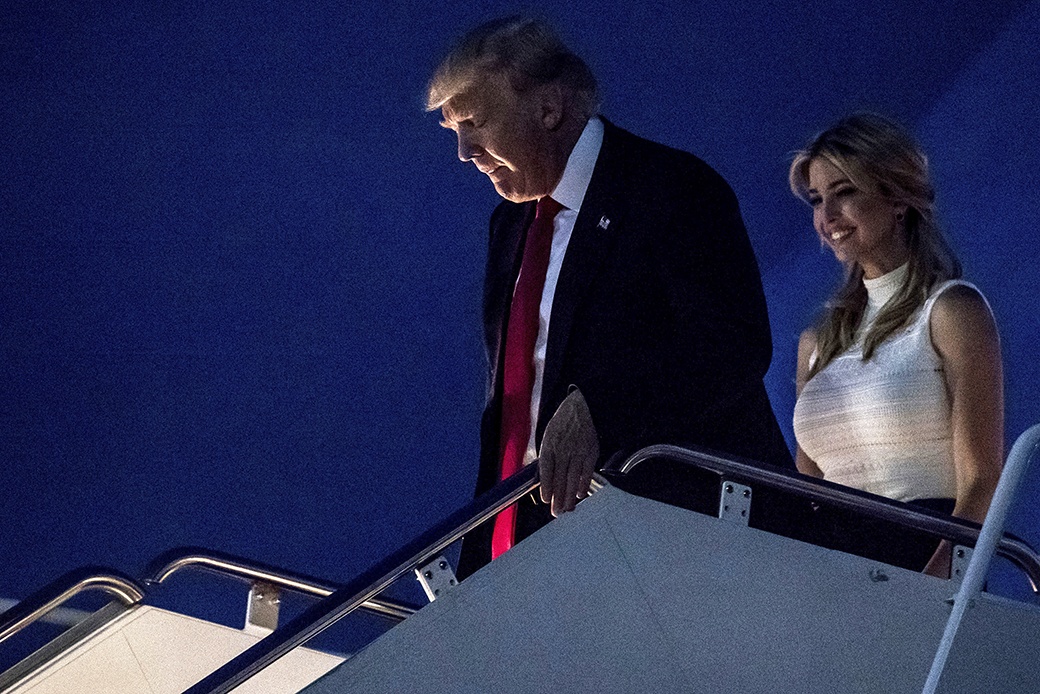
881	289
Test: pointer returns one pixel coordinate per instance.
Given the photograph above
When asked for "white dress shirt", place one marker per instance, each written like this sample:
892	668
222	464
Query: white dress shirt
569	192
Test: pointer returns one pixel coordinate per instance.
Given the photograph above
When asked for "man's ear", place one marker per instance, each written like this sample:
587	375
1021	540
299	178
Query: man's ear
551	105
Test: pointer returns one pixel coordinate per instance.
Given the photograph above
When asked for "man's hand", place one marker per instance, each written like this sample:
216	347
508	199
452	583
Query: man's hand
567	459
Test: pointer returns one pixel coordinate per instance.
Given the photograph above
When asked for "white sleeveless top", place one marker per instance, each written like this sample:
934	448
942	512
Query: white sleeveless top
883	425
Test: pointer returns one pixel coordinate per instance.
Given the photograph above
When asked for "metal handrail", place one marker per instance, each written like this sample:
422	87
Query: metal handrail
65	588
955	529
348	598
1017	463
225	564
59	616
322	615
361	591
130	592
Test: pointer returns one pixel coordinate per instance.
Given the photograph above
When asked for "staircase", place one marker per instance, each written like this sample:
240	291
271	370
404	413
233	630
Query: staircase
626	594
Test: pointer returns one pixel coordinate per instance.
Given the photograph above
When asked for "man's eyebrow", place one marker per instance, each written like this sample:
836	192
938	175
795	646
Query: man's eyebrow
453	115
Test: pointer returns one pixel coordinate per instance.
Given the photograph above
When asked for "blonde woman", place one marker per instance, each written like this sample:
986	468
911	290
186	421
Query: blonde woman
900	384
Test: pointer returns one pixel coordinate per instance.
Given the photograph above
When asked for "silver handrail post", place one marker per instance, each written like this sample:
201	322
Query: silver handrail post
992	529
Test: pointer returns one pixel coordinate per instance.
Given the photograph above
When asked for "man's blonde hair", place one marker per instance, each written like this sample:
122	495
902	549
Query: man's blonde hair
527	51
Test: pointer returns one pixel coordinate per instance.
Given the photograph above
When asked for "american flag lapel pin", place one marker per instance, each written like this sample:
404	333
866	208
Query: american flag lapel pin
603	222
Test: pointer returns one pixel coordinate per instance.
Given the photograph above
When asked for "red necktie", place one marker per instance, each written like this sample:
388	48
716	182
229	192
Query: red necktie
518	379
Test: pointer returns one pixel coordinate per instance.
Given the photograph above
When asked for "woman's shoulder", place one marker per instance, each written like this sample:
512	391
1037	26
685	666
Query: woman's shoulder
956	288
960	314
808	338
806	355
955	300
807	344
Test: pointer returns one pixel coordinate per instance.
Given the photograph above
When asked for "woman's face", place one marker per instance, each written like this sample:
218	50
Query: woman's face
859	226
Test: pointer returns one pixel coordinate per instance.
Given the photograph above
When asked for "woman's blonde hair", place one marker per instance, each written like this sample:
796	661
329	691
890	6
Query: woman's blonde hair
877	156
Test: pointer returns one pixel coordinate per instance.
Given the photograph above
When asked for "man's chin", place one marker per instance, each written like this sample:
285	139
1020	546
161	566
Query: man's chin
513	195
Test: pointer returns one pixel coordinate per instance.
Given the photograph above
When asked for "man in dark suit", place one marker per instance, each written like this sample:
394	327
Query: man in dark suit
651	321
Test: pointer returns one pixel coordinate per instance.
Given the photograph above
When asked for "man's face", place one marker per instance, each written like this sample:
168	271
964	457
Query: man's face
505	134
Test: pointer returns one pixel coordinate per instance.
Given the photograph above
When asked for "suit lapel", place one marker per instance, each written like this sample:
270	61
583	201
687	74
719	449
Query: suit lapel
504	259
595	231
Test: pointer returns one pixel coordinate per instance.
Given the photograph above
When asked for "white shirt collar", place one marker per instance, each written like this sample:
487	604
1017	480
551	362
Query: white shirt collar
570	191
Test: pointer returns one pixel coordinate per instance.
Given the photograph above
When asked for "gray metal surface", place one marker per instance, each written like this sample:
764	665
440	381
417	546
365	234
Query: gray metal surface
735	503
436	577
321	616
628	594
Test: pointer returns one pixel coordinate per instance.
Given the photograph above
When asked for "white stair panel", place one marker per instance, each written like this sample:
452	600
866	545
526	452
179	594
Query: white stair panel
152	651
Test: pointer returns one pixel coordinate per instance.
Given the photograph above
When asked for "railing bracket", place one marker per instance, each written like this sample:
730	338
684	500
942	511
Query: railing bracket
436	577
262	608
735	503
959	564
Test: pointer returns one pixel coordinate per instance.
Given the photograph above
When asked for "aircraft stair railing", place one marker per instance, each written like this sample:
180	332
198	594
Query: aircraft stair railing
362	592
990	541
266	584
960	532
130	592
322	615
412	557
60	591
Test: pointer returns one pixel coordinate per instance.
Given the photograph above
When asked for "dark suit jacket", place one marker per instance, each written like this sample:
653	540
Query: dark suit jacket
659	317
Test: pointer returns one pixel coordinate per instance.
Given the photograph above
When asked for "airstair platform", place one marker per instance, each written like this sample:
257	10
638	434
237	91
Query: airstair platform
631	595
